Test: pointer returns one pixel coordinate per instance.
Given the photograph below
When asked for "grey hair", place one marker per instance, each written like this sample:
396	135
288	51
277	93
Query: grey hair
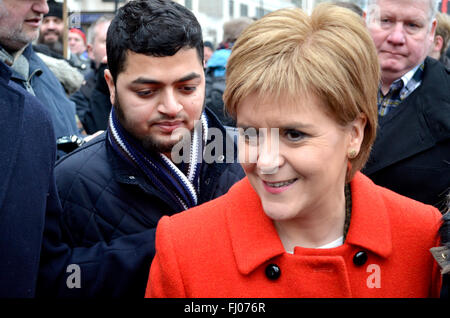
233	28
372	10
92	32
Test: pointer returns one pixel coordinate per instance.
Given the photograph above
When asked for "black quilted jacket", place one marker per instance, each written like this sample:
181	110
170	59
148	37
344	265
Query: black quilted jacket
104	197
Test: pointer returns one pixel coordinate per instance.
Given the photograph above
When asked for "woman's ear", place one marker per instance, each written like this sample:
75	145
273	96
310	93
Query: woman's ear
112	88
356	134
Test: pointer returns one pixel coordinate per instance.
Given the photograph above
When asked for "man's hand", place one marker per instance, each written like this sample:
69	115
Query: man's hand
90	137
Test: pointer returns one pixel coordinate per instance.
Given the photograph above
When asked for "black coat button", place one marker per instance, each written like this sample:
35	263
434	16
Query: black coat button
273	272
360	258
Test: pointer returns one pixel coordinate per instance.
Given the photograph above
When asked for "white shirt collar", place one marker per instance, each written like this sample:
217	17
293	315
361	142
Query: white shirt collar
408	76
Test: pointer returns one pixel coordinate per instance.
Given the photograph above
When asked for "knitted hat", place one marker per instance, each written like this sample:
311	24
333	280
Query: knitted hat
55	9
80	32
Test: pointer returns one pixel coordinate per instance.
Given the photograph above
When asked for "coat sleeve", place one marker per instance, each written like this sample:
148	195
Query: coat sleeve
165	279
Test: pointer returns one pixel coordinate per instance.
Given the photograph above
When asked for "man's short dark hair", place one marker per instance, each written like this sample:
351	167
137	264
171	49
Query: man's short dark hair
208	44
152	27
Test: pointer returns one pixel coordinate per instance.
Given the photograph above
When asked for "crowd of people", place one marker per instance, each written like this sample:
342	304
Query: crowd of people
302	156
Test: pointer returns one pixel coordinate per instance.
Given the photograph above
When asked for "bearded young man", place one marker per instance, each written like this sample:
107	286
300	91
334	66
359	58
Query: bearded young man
125	180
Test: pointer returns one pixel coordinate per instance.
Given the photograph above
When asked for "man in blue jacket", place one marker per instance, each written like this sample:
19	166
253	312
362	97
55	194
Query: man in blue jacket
161	154
27	155
19	26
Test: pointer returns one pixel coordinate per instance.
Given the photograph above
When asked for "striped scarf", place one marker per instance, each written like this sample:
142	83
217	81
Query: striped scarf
182	187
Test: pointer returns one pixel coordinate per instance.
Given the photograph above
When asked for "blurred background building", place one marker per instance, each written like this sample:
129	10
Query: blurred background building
210	13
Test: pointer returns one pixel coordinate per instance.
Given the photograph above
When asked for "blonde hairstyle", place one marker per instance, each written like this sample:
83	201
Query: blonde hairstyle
443	30
287	54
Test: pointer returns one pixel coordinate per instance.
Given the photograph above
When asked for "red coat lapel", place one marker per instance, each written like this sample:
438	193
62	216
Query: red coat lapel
255	240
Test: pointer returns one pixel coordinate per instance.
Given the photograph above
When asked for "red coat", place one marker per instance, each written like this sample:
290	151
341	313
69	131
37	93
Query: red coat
228	247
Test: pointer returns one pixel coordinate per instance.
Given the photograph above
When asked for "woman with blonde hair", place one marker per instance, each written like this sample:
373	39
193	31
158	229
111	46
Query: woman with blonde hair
304	222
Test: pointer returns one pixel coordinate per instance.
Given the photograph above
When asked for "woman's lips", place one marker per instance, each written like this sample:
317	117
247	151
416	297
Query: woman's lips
278	186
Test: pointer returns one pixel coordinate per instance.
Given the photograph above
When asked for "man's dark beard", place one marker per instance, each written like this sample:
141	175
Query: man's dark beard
147	142
56	47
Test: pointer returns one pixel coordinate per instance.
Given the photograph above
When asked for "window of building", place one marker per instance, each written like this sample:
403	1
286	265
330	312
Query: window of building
244	10
297	3
188	4
212	8
260	12
231	8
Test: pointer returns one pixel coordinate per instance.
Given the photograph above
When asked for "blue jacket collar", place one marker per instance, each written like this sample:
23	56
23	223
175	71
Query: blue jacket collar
5	72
